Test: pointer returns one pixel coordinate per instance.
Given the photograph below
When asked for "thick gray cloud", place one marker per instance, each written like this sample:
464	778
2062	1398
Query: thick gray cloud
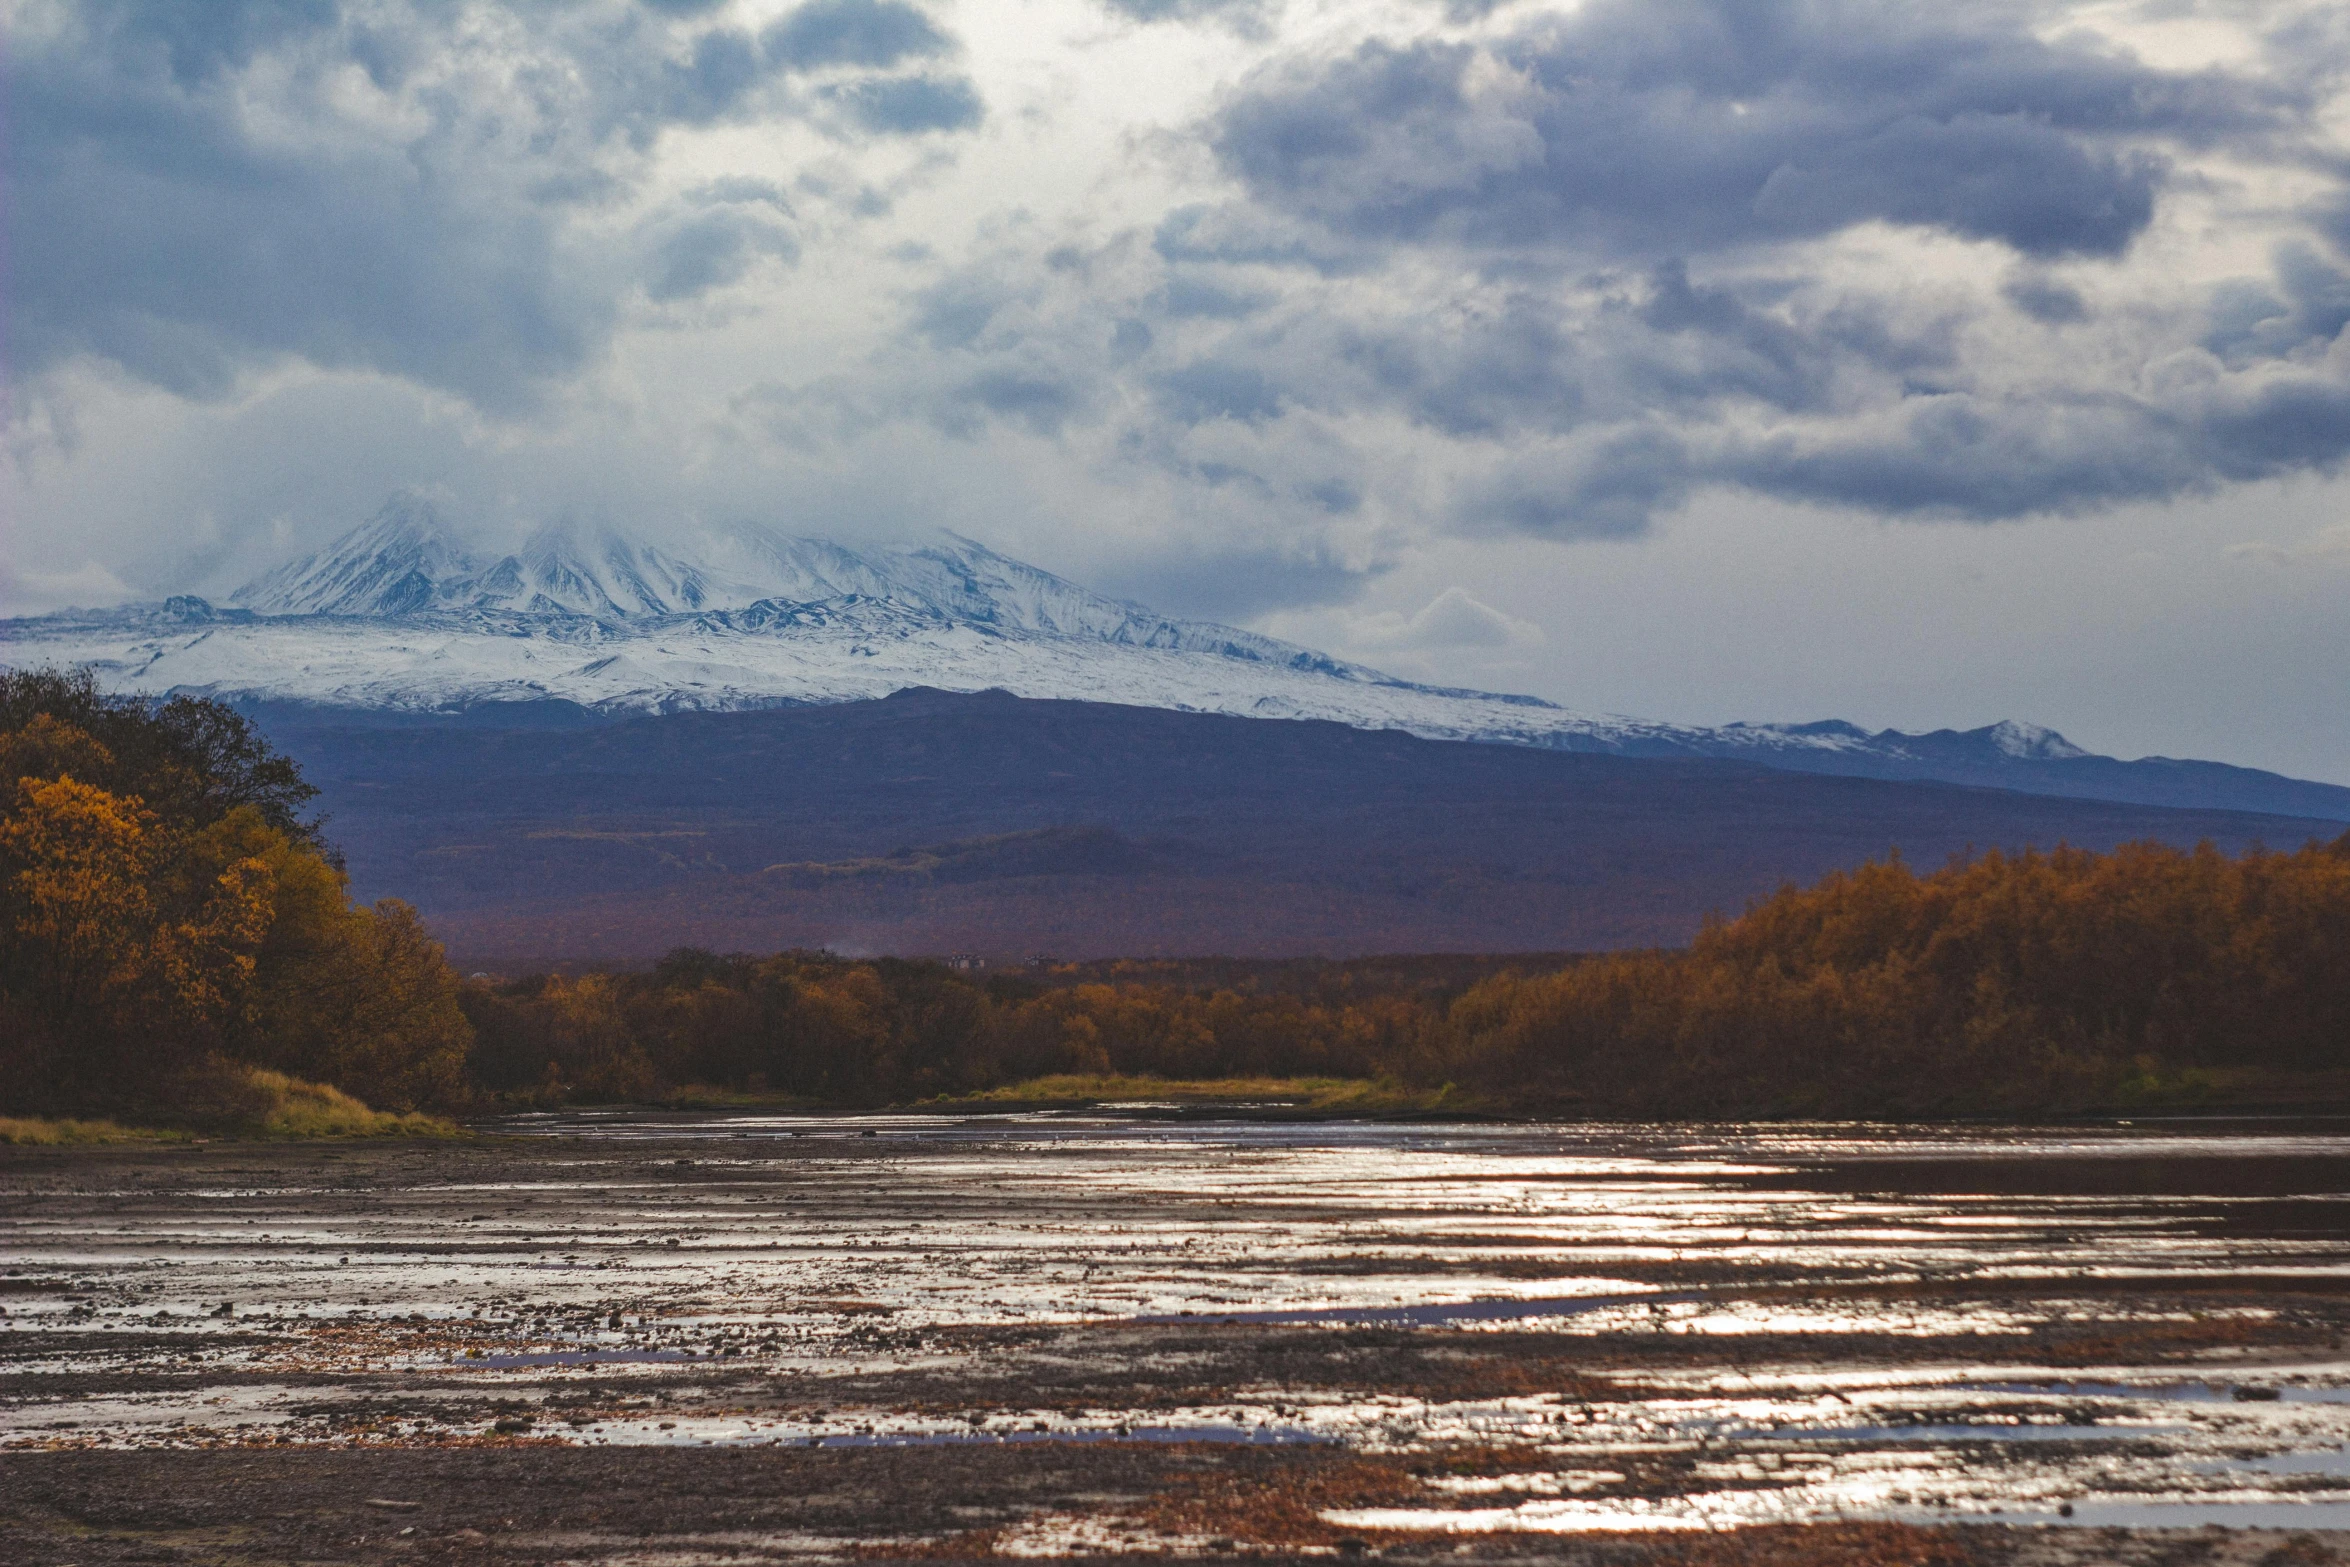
2306	303
151	227
1637	221
854	32
1608	491
2044	300
1210	389
198	39
909	105
1248	16
728	226
198	187
1646	127
1485	271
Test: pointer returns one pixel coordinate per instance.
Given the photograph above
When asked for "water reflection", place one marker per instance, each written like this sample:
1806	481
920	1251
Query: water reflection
1776	1321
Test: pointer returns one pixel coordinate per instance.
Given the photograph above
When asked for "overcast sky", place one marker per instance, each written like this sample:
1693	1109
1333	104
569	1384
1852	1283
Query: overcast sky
1920	365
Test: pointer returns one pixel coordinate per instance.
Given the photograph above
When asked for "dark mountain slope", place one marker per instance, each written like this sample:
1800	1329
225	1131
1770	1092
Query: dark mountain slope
930	822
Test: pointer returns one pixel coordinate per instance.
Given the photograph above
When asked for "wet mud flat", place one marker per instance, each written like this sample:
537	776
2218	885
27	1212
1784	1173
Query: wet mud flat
717	1339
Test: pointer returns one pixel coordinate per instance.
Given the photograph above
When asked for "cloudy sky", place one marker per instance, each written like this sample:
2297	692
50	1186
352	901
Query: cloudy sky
1920	365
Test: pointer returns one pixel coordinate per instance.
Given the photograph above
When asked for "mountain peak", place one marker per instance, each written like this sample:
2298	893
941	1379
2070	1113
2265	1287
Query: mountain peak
391	564
404	562
2031	742
569	568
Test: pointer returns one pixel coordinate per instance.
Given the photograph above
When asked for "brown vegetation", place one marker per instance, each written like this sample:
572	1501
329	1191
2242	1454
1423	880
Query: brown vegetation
856	1032
2011	983
169	925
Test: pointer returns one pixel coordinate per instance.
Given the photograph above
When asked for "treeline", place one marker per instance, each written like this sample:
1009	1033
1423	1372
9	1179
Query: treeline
2010	983
1433	978
885	1031
2006	984
169	922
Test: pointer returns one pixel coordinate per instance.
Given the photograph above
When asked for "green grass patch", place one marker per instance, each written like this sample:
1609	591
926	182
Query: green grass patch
33	1132
1333	1096
2261	1090
292	1108
703	1096
258	1105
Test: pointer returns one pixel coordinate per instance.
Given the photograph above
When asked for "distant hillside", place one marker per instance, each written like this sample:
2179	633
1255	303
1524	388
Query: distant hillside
402	615
932	822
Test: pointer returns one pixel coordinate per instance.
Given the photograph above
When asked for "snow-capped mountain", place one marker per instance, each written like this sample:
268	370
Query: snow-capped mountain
399	614
405	564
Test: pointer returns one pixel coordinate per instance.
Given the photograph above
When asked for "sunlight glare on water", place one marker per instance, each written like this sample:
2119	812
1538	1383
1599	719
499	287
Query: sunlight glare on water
606	1247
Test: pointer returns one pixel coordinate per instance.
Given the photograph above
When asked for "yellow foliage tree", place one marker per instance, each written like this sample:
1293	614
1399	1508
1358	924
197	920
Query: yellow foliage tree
83	911
107	947
358	997
155	944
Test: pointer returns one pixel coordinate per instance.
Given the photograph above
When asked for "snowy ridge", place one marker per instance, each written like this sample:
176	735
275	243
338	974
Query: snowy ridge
400	615
405	563
764	654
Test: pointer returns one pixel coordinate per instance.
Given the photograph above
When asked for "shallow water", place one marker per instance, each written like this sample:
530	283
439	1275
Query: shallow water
1807	1321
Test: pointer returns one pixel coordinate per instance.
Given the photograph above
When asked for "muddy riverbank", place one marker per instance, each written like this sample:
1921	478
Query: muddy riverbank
716	1338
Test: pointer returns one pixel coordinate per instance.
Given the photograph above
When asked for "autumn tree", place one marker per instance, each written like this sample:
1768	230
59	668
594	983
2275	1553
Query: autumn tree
167	915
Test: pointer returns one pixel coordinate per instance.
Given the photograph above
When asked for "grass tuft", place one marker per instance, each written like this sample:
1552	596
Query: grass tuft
1318	1095
259	1104
32	1132
293	1108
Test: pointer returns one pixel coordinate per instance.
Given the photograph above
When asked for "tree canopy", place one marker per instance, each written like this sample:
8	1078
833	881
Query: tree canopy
169	918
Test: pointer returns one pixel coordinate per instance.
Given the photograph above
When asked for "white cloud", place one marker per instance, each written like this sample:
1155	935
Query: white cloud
2329	546
88	586
1451	620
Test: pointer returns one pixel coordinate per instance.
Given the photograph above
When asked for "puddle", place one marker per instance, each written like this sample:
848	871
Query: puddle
1433	1314
2262	1392
582	1357
1970	1431
2336	1462
1725	1512
2197	1515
